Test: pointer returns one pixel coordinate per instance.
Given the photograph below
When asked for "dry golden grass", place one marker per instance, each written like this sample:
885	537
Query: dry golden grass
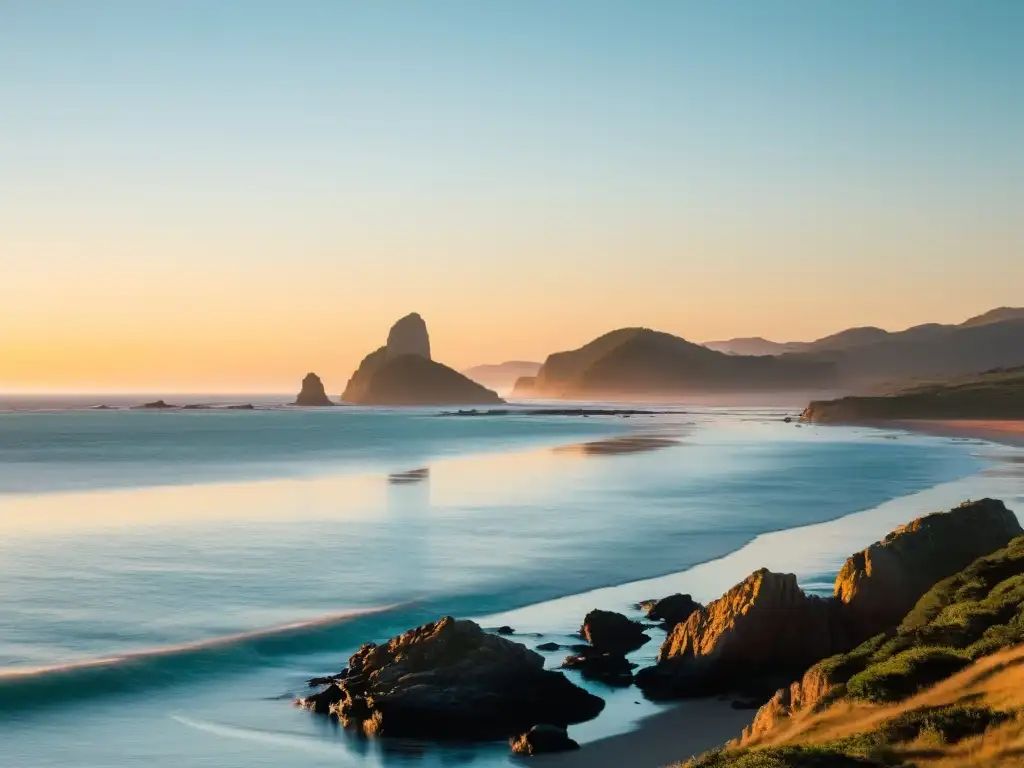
995	681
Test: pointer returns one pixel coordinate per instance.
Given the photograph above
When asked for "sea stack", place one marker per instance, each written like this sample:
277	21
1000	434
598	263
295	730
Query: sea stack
409	337
313	393
403	373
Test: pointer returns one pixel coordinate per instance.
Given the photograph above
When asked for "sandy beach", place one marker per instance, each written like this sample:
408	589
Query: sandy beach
687	729
1006	431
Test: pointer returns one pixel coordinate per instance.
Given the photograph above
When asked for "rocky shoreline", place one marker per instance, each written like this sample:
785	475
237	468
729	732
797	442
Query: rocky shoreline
452	680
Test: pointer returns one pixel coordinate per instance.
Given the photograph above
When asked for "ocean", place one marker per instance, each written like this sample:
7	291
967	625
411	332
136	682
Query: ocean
170	579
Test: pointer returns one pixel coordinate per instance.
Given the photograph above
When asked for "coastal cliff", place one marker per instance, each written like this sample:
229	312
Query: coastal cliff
765	627
994	394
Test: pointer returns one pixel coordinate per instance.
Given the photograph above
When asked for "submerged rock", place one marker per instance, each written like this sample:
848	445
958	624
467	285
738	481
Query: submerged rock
609	668
313	393
542	739
451	680
611	632
670	610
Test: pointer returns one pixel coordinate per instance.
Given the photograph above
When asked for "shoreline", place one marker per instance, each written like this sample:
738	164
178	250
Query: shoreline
1003	431
689	728
683	730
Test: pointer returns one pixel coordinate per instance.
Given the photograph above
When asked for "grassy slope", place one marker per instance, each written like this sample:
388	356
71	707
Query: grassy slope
943	689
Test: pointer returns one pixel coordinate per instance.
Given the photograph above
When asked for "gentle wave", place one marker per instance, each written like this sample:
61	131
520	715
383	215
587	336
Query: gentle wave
27	688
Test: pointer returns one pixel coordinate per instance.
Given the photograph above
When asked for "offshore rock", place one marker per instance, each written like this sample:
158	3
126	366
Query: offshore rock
451	680
313	393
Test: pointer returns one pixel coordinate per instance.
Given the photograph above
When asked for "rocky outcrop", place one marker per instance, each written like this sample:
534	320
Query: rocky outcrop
671	610
879	585
543	739
402	373
763	629
610	632
408	337
802	696
313	393
766	627
451	680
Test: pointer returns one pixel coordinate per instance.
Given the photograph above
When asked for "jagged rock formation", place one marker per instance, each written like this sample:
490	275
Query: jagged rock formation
961	619
402	373
880	584
766	627
409	337
450	680
313	393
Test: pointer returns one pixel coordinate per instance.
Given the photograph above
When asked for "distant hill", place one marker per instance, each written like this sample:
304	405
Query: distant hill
754	345
926	351
639	362
857	337
995	394
501	377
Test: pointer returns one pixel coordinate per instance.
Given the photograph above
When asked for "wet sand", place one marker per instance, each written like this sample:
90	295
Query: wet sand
687	729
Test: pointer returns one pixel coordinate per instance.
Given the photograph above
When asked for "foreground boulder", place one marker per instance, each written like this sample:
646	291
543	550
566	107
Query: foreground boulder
313	393
543	739
610	632
451	680
765	628
671	610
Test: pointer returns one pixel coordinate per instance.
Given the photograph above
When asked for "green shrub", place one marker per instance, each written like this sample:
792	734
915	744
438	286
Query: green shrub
949	724
906	673
785	757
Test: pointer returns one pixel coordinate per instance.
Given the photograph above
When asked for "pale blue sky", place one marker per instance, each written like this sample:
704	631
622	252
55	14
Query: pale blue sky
293	176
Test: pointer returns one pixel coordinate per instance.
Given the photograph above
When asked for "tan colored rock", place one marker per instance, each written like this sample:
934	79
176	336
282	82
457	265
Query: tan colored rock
883	582
766	626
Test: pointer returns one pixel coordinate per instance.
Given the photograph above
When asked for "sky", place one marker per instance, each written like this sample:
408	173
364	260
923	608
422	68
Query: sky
205	195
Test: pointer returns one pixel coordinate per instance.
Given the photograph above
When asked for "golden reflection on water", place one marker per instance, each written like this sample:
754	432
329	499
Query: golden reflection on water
482	479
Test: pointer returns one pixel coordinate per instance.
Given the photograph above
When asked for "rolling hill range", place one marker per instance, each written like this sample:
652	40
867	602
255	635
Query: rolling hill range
639	362
635	362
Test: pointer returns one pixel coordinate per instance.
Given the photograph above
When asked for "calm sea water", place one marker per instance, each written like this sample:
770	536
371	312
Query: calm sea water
169	580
